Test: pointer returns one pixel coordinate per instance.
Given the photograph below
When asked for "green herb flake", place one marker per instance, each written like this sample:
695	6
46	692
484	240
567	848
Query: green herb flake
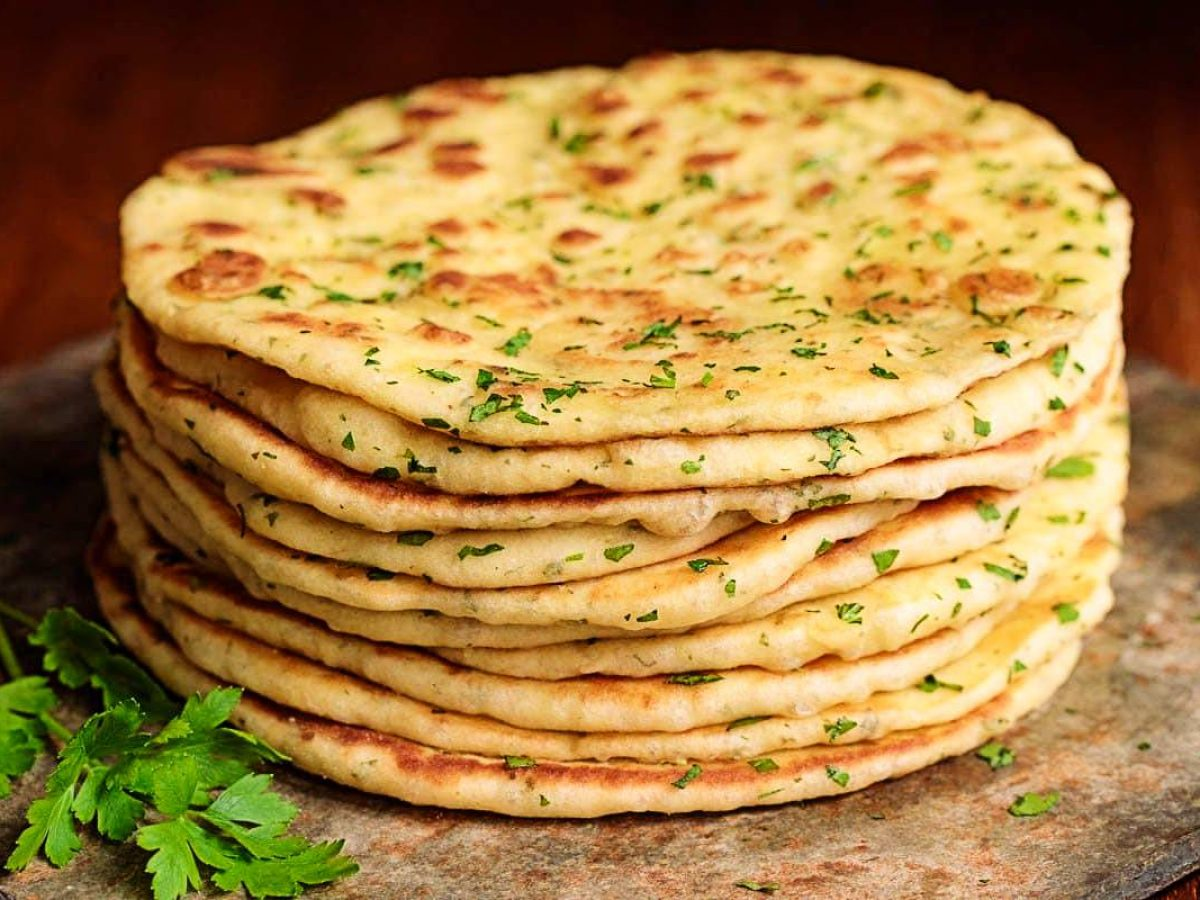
930	683
1071	467
996	755
1066	612
467	550
982	428
880	372
515	344
348	441
1032	804
692	773
691	679
440	375
884	559
834	730
840	777
618	553
987	511
699	565
410	269
850	613
519	762
764	766
414	538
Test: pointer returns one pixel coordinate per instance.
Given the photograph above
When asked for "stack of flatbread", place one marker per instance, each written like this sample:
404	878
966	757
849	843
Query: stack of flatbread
721	430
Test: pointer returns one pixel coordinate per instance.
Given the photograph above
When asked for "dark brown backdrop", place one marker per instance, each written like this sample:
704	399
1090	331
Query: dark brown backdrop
93	95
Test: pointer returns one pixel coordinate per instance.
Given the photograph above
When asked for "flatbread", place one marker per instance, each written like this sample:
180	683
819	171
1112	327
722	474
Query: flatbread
219	636
657	239
197	424
419	774
320	420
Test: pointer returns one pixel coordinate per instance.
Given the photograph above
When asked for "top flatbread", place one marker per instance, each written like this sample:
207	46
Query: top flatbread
721	242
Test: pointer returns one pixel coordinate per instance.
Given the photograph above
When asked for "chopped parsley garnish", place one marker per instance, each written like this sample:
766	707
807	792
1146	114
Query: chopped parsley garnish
467	550
618	553
519	762
410	269
386	473
691	467
996	755
764	766
1032	804
1056	404
1002	572
930	683
982	427
691	679
1066	612
273	292
963	583
667	378
850	613
1000	347
880	372
348	441
987	511
484	379
917	187
883	559
838	776
414	538
688	777
651	616
440	375
835	438
944	242
834	730
515	344
1071	467
699	565
1058	361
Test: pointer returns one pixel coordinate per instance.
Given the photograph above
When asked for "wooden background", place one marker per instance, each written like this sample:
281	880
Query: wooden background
93	95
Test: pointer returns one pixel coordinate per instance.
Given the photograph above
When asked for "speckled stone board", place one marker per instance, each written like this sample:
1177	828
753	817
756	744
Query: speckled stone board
1121	741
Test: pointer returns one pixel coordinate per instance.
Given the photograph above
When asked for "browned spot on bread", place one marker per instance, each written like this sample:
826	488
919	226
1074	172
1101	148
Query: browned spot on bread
876	273
457	160
458	168
738	201
794	247
604	100
997	284
781	75
812	120
957	225
222	274
819	191
751	119
701	161
1028	201
937	142
431	331
472	89
303	322
608	175
393	146
327	203
235	160
672	254
428	113
695	95
648	127
576	237
215	229
448	278
448	227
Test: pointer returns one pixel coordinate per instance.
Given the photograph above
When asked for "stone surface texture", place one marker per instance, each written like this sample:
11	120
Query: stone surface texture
1128	824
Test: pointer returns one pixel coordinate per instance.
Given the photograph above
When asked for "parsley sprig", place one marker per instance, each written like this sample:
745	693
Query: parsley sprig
178	782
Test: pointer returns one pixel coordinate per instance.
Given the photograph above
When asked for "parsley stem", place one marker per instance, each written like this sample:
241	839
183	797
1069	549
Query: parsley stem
8	658
21	618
